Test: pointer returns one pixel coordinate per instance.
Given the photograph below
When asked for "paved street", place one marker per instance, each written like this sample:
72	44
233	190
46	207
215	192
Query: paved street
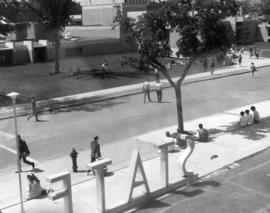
241	189
74	127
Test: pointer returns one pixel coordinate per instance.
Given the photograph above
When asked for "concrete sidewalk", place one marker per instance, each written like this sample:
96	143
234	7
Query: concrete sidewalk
90	97
228	142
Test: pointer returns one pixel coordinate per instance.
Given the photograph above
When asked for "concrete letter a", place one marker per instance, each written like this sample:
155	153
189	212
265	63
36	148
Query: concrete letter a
135	164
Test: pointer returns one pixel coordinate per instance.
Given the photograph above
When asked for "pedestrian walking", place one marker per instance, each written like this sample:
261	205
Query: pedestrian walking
156	71
240	60
158	87
205	64
250	52
257	53
34	109
242	50
212	67
253	69
24	152
146	91
95	151
256	115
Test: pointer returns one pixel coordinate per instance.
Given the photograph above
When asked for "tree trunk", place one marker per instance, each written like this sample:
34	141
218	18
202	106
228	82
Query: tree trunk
179	106
56	49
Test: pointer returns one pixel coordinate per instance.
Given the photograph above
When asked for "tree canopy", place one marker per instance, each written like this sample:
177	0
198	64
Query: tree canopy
265	6
199	24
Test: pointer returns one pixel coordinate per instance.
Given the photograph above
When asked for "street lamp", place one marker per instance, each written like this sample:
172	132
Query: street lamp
13	96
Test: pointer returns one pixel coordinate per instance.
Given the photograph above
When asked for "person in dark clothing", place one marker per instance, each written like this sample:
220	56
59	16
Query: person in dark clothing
240	60
34	109
95	151
205	64
24	152
250	52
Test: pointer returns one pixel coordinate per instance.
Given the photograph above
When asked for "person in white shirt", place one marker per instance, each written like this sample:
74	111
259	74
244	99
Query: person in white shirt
256	115
249	117
158	87
146	91
243	120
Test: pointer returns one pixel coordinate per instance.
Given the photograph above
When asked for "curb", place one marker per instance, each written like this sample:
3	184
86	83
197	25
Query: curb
69	101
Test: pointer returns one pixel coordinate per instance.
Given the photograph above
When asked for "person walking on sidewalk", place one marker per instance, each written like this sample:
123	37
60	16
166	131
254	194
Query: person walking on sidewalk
158	87
146	91
250	52
34	109
24	152
212	67
95	151
156	71
240	60
256	115
253	69
205	64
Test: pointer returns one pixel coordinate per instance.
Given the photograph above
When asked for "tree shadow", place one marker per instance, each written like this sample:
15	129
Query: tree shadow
108	174
155	204
82	171
189	193
207	183
253	132
88	74
83	105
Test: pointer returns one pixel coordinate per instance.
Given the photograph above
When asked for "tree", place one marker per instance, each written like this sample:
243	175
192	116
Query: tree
252	9
11	12
265	7
200	28
54	15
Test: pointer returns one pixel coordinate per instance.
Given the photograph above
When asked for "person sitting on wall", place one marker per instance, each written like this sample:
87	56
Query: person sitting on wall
104	66
256	115
243	122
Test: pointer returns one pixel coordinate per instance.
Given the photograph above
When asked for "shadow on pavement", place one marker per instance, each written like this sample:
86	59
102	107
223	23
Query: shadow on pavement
207	183
254	132
93	107
154	204
189	193
99	74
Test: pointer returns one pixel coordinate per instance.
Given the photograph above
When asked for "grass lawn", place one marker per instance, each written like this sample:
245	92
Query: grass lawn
34	79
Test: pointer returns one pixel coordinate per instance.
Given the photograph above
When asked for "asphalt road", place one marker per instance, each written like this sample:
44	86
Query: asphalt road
244	189
122	118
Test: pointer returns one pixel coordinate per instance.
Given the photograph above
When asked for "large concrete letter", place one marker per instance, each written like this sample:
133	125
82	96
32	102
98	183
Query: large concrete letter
65	193
99	166
136	163
164	164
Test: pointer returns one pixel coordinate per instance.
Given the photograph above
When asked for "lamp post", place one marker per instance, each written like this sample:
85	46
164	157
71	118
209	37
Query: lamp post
13	96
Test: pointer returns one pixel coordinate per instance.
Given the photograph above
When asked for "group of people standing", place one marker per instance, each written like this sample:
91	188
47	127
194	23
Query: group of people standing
147	90
247	119
212	65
